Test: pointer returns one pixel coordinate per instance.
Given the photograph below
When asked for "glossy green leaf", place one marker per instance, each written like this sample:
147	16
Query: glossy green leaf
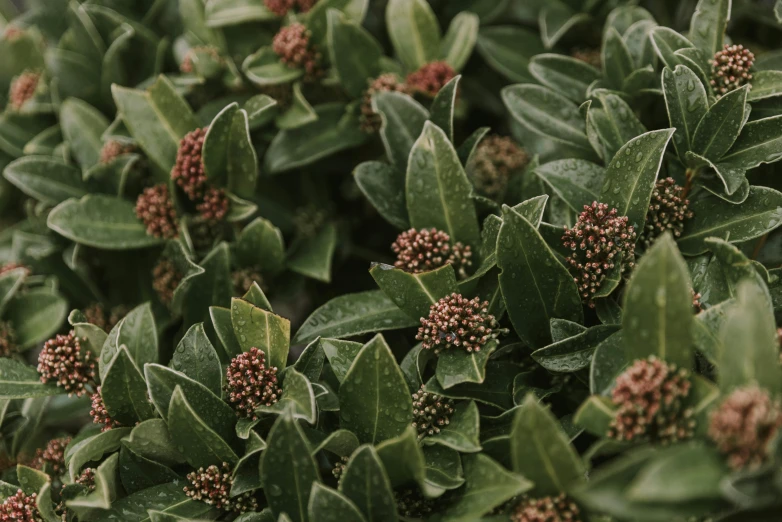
666	42
615	123
354	53
329	505
261	329
366	484
720	127
157	118
313	258
384	187
415	293
437	188
541	451
535	286
35	316
202	447
456	366
414	32
288	471
220	13
151	439
564	75
573	353
596	415
708	25
105	491
632	173
261	244
124	391
403	120
617	62
687	103
168	498
461	433
444	105
48	180
228	152
341	355
458	43
508	49
374	400
264	68
82	126
19	380
715	217
136	331
576	182
102	222
759	142
196	357
765	84
93	448
213	287
403	459
556	19
297	397
353	314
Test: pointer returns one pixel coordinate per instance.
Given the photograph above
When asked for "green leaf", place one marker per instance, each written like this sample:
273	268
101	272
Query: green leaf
102	222
261	109
310	362
437	188
459	41
264	68
150	439
168	498
137	331
615	123
317	23
461	433
403	121
535	286
329	505
751	324
82	126
508	49
415	293
632	173
35	315
573	353
576	182
124	391
297	397
443	106
443	470
79	453
105	487
760	213
564	74
687	103
335	130
414	32
666	42
353	314
259	328
759	142
708	25
157	118
555	20
288	471
720	127
765	84
617	62
457	366
46	179
196	357
354	53
202	447
403	459
341	355
366	484
10	283
221	13
487	485
313	258
261	244
658	307
384	187
213	287
228	152
551	118
541	451
19	381
595	415
374	400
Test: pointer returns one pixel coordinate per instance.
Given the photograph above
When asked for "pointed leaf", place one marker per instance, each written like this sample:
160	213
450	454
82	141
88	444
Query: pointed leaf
196	357
262	329
414	32
366	484
415	293
329	505
687	103
720	127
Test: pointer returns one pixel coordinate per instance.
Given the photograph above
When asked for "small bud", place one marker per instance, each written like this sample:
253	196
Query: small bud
697	307
87	479
309	219
23	89
156	209
428	249
410	503
339	468
430	78
214	206
588	55
165	280
187	66
730	69
20	508
250	383
243	279
213	486
650	398
457	322
100	414
13	266
546	509
282	7
431	412
292	45
7	339
52	456
188	171
66	362
96	314
668	211
744	425
598	240
113	149
495	159
370	120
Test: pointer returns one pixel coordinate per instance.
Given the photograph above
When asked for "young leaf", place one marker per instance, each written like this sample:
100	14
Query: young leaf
687	103
384	187
576	182
617	62
720	127
458	366
297	397
459	40
508	50
82	126
535	285
374	400
708	24
461	433
573	353
415	293
564	74
759	142
354	53
124	391
19	380
443	106
414	32
366	484
329	505
437	188
196	357
288	471
262	329
35	315
615	123
658	307
403	121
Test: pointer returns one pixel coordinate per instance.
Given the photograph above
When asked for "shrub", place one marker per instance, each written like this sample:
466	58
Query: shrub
568	210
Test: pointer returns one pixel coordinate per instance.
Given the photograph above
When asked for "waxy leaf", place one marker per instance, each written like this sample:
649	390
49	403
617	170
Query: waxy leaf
415	293
168	498
124	391
687	103
459	41
720	127
329	505
556	19
535	285
457	366
82	126
576	182
630	177
19	380
759	142
461	433
354	53
102	222
658	307
403	121
261	244
366	484
297	397
374	400
403	459
288	471
414	32
384	187
353	314
196	357
615	123
137	331
35	315
715	217
666	42
264	68
313	258
261	329
573	353
541	451
508	49
437	188
564	74
48	180
228	152
444	105
617	62
708	24
765	84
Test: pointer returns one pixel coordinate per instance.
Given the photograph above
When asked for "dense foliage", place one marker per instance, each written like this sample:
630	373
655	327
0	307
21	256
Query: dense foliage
562	215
